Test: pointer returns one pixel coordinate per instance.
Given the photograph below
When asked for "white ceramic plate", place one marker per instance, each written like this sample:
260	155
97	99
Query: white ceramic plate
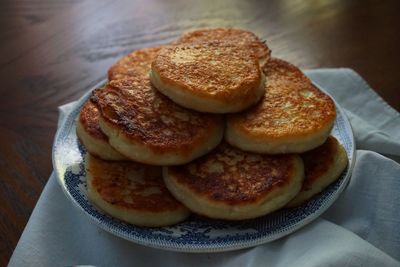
196	234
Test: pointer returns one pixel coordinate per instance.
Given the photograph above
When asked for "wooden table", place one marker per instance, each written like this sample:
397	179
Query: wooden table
53	51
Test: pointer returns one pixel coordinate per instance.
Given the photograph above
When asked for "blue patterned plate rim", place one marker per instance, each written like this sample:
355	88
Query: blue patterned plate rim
196	234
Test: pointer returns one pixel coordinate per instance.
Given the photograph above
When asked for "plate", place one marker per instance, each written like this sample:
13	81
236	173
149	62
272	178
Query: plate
196	234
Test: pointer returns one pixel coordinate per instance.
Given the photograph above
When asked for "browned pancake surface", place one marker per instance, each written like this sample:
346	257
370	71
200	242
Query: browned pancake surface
131	185
234	177
318	161
291	107
146	116
135	64
89	118
216	70
323	166
240	37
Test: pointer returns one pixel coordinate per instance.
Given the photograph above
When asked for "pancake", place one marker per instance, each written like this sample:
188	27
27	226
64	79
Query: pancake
232	184
90	135
132	192
147	127
208	77
135	64
293	116
239	37
322	166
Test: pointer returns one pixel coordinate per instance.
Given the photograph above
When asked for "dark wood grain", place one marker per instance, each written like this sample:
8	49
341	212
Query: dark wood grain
53	51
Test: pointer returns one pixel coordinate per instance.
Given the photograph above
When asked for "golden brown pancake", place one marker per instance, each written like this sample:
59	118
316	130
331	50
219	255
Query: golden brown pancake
322	166
147	127
132	192
239	37
135	64
89	133
293	116
232	184
208	77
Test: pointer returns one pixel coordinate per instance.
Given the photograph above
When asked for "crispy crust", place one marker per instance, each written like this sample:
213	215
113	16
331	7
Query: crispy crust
208	77
240	37
293	116
322	166
232	184
135	64
89	118
91	136
147	127
132	192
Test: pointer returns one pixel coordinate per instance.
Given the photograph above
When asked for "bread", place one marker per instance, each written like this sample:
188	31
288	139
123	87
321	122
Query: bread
147	127
91	136
293	116
208	77
239	37
232	184
135	64
322	165
132	192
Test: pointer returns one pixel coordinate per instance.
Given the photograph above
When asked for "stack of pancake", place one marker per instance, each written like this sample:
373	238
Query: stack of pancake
209	124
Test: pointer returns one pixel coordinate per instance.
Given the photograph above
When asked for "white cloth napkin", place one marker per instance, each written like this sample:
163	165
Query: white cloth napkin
360	229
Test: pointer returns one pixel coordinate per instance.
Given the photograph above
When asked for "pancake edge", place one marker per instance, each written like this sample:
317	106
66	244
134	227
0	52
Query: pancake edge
96	146
272	202
145	154
205	104
284	145
334	172
140	218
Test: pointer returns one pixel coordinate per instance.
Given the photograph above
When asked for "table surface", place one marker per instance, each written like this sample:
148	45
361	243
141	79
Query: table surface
53	51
